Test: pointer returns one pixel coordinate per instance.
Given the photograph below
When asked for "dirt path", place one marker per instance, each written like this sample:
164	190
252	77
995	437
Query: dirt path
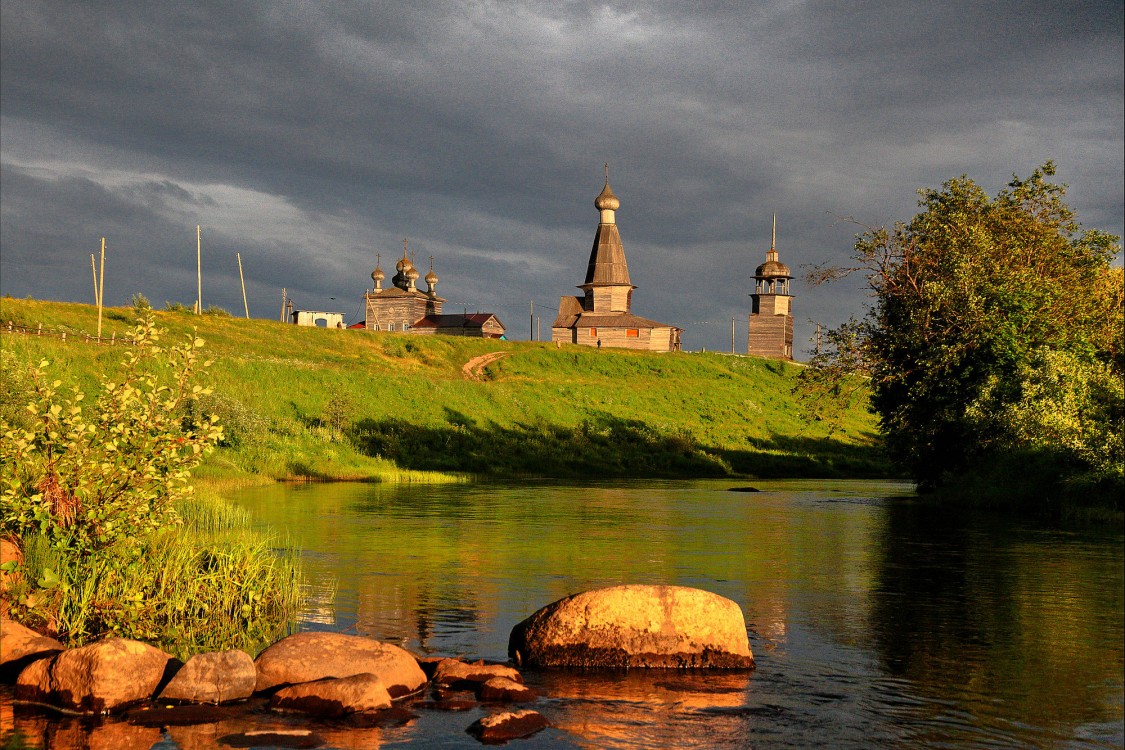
475	366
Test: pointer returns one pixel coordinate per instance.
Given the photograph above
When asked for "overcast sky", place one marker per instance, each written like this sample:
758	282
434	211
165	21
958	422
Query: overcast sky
311	136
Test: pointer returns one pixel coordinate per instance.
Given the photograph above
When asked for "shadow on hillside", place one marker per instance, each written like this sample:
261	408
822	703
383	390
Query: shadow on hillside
604	446
796	456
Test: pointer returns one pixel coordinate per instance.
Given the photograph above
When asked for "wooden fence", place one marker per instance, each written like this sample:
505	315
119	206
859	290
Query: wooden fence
87	338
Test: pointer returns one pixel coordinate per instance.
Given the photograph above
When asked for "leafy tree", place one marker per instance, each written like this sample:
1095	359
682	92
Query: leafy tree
996	330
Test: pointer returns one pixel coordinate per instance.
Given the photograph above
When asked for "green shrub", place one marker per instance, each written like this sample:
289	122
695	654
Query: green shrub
90	494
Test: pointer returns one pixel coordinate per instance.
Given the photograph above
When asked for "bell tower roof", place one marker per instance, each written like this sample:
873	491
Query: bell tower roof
773	268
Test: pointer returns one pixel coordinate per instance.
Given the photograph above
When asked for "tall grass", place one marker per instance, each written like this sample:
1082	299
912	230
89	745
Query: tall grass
211	583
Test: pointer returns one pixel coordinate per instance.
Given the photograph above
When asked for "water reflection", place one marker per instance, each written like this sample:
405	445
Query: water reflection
874	620
1008	630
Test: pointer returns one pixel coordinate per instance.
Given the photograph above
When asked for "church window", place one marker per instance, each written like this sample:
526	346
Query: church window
390	326
593	332
631	333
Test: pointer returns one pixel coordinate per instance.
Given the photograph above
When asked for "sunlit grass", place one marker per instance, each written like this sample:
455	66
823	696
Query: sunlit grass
280	382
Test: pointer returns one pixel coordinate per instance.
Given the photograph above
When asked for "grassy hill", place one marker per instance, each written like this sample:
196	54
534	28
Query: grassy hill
310	402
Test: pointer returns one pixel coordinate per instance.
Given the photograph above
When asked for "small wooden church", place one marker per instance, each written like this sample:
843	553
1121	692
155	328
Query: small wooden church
603	315
407	309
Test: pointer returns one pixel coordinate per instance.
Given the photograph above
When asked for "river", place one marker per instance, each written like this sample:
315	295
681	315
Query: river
875	620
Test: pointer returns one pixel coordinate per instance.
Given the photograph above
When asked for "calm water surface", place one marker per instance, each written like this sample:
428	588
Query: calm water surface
875	621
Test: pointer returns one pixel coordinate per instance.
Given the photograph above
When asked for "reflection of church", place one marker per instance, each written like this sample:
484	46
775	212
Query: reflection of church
603	315
403	307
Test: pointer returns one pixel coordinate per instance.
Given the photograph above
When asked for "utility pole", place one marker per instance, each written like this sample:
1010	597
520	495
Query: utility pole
284	297
94	271
101	291
531	330
198	271
732	335
242	279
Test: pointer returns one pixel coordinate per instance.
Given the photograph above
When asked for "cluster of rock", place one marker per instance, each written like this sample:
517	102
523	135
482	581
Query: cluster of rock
336	675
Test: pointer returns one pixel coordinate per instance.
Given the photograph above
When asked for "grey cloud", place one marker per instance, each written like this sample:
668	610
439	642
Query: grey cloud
479	130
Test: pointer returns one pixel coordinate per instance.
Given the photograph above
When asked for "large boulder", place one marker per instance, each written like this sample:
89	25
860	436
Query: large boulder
307	657
215	677
95	678
19	646
334	697
635	626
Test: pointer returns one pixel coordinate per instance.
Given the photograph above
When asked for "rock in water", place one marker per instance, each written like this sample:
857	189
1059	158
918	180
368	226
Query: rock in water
214	677
334	697
457	672
510	725
306	657
635	626
95	678
501	689
19	646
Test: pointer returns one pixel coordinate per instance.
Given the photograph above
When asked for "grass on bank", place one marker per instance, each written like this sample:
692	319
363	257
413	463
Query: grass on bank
328	404
211	584
112	538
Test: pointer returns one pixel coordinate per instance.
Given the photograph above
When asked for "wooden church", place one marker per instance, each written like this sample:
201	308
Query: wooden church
407	309
603	315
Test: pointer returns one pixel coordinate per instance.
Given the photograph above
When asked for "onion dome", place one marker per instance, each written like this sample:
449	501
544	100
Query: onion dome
377	274
431	277
606	200
403	264
773	268
412	272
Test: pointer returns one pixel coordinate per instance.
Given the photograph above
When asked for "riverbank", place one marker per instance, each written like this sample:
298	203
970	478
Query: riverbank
309	403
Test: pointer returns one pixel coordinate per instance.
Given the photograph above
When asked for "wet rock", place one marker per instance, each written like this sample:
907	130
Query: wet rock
19	646
505	690
334	696
34	682
456	672
635	626
510	725
298	738
214	677
307	657
96	678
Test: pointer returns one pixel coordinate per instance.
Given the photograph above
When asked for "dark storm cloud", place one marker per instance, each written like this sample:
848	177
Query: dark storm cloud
311	136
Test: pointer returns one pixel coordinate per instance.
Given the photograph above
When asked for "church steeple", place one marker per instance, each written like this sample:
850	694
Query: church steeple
607	285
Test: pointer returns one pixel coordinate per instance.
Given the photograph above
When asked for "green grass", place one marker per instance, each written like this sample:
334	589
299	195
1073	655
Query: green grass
310	403
210	584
